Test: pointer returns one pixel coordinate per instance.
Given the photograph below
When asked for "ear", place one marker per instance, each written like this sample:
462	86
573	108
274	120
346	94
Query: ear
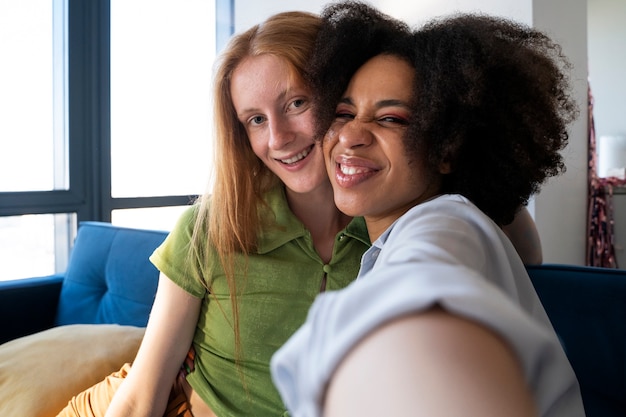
445	166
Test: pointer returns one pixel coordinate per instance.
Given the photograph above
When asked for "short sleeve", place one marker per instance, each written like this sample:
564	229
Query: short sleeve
175	260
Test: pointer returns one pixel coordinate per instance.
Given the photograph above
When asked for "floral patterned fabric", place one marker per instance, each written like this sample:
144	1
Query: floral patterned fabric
600	223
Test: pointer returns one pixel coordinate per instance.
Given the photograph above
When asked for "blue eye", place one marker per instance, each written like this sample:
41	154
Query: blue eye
297	104
257	120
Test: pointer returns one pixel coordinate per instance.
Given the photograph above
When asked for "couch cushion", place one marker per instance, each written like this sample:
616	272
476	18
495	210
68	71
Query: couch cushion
40	373
109	278
587	307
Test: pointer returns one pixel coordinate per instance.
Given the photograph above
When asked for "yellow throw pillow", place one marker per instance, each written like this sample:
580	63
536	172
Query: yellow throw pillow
40	373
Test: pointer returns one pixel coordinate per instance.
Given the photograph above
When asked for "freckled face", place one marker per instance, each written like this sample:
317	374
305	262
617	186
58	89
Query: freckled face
275	109
364	150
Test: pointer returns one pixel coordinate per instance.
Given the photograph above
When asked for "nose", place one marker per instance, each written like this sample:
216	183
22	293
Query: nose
355	134
281	133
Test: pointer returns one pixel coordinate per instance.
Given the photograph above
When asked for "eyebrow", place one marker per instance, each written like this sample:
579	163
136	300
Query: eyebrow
380	104
249	110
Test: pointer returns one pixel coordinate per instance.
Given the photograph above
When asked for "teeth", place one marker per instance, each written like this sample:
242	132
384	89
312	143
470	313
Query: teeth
296	158
351	170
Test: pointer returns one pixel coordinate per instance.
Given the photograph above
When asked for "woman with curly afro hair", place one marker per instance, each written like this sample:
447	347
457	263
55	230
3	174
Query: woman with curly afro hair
437	137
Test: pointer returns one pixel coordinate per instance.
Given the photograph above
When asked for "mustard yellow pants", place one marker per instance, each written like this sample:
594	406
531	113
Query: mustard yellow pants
94	401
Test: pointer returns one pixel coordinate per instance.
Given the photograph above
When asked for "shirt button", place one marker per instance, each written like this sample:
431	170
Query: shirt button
327	269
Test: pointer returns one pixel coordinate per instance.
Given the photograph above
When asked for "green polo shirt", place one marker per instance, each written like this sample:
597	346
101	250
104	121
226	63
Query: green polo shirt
282	280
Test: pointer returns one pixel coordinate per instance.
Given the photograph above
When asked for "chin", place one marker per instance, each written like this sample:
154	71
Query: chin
349	209
303	188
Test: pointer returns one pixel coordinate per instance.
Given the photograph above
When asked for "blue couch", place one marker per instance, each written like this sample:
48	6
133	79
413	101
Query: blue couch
587	307
109	280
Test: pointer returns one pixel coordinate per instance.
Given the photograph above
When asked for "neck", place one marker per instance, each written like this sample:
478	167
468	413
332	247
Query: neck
377	224
317	211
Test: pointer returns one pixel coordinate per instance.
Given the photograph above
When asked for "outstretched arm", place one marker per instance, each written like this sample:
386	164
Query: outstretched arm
429	364
167	340
522	232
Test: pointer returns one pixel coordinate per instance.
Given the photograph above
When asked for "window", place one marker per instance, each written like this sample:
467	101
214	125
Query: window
160	96
105	116
27	82
161	67
33	160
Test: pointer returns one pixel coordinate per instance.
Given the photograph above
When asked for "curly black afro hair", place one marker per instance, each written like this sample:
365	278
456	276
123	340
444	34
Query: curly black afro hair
493	100
491	97
351	33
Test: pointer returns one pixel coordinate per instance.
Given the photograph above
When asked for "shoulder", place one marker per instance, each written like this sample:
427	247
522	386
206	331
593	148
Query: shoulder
447	215
181	234
188	216
449	230
444	206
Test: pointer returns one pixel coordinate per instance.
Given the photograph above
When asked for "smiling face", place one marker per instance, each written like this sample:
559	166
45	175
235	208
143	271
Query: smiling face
370	170
275	110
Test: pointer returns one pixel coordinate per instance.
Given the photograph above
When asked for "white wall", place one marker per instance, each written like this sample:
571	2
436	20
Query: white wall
607	67
607	64
250	12
560	208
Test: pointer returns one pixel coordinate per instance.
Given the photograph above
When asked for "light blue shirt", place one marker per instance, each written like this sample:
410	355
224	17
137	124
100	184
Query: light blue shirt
446	252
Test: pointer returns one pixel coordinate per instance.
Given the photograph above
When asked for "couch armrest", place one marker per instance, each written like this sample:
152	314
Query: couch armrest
28	305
